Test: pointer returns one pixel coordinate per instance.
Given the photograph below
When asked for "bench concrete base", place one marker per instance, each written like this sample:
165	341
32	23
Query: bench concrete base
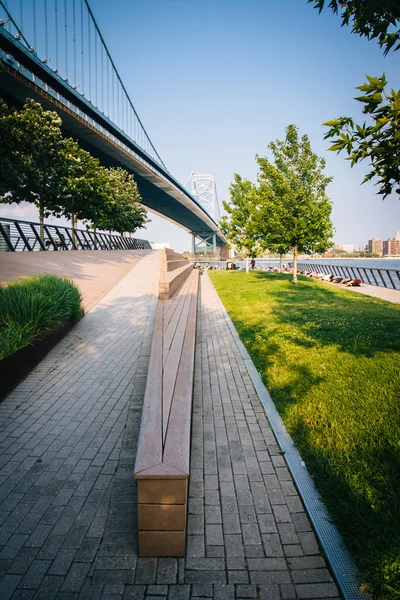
162	510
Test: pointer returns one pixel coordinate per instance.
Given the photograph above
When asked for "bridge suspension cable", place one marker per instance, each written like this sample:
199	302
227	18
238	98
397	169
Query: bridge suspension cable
58	27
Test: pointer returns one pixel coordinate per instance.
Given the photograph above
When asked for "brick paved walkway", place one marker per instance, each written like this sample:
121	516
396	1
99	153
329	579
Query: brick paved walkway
68	439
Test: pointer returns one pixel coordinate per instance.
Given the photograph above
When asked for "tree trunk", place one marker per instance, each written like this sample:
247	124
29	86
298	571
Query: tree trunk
280	263
41	221
295	264
73	225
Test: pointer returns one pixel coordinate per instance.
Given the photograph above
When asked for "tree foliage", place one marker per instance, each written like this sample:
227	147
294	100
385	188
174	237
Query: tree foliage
240	224
85	182
122	211
295	209
32	162
288	209
373	19
378	141
40	166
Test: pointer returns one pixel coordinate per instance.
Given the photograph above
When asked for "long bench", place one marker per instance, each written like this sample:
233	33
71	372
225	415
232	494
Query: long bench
174	271
162	460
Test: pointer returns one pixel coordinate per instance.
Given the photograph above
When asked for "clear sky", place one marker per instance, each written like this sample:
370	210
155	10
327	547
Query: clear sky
214	81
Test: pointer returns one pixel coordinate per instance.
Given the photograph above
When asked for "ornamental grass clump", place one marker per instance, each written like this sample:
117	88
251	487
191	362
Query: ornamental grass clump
34	307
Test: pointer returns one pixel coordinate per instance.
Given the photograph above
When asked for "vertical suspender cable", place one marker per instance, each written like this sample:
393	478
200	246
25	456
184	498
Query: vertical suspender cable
21	16
96	102
66	38
90	66
108	89
74	34
56	19
102	77
34	24
46	33
7	18
82	50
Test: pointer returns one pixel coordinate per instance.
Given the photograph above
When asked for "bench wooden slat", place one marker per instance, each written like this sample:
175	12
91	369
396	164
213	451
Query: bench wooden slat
174	357
180	313
149	450
177	442
171	308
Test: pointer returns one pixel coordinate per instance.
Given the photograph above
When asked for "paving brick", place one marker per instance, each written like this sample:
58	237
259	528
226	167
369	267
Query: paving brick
202	591
288	591
35	574
316	590
269	592
179	592
308	542
167	570
215	551
246	591
214	536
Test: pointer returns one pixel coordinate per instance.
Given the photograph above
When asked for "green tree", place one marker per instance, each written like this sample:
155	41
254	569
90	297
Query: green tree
32	163
379	141
294	208
374	19
86	184
239	225
122	210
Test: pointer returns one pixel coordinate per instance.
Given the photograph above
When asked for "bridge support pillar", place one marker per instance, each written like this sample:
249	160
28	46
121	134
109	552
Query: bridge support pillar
204	242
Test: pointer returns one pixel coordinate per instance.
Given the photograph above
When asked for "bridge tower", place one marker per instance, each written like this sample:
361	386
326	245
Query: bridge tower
203	188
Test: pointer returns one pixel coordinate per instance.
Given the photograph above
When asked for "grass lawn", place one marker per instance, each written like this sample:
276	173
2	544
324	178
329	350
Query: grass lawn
331	362
33	307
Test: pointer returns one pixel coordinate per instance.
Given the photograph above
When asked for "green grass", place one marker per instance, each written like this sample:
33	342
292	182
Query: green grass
33	307
330	359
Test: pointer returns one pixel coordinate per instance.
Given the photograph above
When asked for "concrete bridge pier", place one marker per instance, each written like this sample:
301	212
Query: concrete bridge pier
204	241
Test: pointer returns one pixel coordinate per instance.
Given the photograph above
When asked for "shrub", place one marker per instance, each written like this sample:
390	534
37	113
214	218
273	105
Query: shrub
33	307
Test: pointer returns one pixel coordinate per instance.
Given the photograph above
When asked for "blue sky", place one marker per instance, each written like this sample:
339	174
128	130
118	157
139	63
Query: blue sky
214	81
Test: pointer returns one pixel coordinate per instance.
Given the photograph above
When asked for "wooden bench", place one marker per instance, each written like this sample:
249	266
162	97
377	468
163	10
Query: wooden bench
174	271
162	460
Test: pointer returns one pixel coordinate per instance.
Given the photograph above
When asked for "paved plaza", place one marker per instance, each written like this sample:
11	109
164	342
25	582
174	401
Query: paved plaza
68	436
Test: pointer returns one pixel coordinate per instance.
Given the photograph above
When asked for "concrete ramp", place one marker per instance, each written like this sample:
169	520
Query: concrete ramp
95	272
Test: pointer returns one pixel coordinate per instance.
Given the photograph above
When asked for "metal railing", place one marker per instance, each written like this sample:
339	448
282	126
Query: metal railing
389	278
18	236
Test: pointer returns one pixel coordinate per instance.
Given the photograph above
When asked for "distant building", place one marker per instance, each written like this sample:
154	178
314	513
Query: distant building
375	246
161	245
391	246
397	236
348	248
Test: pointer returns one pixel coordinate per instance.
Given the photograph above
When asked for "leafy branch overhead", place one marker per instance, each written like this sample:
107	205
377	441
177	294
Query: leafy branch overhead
378	141
370	18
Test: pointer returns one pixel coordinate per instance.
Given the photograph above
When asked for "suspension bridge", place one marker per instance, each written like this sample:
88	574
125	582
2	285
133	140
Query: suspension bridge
53	51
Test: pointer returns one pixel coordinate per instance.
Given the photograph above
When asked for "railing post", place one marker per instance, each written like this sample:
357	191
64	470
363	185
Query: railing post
23	236
45	227
71	238
6	238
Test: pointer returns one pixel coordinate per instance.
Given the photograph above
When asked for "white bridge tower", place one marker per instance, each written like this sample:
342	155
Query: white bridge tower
204	190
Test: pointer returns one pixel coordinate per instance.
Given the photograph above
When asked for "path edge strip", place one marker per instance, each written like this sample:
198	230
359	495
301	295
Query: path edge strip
342	566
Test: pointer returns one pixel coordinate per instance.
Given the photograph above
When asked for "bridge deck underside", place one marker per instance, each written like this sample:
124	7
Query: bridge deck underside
156	191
